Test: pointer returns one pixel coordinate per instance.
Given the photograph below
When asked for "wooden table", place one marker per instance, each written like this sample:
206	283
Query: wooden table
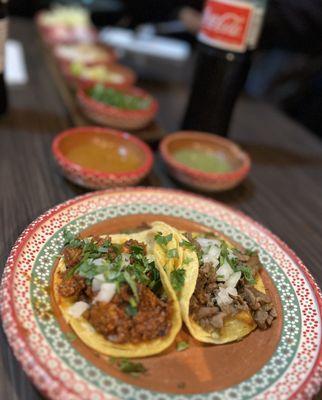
283	191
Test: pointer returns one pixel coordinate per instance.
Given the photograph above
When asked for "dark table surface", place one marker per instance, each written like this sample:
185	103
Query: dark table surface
283	191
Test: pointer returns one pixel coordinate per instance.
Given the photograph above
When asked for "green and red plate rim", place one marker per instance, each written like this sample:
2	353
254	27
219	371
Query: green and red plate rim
30	361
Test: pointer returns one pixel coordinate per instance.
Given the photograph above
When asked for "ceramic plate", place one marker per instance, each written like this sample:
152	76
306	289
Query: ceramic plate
282	362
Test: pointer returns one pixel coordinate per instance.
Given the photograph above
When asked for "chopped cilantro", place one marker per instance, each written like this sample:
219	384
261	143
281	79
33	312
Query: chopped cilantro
71	336
137	249
130	281
177	278
172	253
247	272
70	239
186	244
130	367
131	310
163	240
181	346
187	260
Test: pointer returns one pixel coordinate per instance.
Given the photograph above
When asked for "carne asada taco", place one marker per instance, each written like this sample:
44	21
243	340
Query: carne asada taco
222	297
115	295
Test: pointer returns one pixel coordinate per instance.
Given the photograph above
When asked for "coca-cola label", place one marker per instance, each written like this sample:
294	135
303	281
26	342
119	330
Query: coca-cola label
3	37
226	24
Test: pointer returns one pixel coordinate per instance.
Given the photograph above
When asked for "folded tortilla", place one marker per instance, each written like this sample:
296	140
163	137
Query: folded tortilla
235	327
85	331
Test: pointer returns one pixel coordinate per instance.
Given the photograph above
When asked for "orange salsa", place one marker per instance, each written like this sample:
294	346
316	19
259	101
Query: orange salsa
105	154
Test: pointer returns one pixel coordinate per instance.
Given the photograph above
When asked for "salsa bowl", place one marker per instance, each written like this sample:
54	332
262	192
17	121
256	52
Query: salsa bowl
114	115
204	161
115	75
87	53
99	158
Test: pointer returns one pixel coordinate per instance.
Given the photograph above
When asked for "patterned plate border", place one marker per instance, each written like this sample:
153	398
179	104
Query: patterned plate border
54	387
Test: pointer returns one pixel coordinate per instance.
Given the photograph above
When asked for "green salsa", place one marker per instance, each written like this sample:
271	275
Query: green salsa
116	98
204	160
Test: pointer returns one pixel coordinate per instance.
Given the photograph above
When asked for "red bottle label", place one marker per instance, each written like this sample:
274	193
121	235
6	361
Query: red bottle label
226	24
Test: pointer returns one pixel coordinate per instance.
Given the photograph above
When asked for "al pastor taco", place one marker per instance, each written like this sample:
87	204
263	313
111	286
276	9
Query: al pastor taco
115	295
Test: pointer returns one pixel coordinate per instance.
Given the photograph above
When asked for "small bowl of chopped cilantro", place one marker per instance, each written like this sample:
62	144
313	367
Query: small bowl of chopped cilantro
128	109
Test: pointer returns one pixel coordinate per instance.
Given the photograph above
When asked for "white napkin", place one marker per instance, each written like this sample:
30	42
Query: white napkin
15	65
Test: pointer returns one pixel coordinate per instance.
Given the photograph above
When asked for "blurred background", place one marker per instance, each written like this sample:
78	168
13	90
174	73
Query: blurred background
287	66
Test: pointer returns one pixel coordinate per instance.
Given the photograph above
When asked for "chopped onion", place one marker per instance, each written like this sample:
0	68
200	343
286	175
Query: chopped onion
233	279
224	272
223	297
212	256
99	261
77	309
211	250
106	292
204	242
126	258
97	282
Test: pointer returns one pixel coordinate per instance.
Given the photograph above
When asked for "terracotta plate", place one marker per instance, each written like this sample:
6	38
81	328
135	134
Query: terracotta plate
282	362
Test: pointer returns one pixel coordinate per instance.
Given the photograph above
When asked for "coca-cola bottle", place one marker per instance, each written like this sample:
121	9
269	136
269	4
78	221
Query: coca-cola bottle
3	36
229	33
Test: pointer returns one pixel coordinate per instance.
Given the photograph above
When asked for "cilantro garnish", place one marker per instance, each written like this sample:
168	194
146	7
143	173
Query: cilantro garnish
131	282
247	272
186	244
130	367
177	278
71	336
187	260
163	240
70	239
181	346
172	253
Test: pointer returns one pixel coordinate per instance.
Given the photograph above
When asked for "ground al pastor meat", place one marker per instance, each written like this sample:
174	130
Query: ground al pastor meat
152	320
72	256
127	246
72	286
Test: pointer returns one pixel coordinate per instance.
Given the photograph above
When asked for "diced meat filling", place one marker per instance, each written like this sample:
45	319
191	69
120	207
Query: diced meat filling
205	310
112	320
127	246
72	256
72	286
261	306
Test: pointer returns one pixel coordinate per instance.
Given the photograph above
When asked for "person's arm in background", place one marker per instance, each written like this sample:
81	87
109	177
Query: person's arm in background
293	25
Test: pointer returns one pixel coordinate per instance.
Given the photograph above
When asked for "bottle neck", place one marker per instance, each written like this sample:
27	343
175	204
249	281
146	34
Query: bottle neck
229	56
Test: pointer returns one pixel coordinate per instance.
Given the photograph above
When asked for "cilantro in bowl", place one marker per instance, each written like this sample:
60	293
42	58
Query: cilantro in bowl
117	98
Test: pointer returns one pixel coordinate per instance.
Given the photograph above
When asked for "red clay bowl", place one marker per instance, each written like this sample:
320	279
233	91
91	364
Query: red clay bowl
95	178
107	54
205	181
60	34
129	77
117	117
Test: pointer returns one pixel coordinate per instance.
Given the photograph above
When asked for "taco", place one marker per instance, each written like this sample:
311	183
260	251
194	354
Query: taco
115	295
222	295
